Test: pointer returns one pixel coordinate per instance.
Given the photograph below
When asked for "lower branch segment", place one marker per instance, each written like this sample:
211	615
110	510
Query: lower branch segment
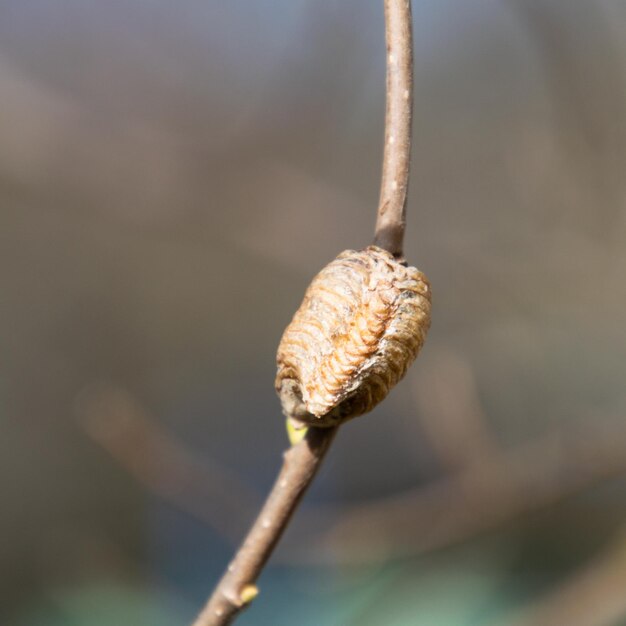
237	587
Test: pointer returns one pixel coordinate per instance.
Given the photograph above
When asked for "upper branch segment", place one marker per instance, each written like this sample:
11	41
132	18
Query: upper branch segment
397	152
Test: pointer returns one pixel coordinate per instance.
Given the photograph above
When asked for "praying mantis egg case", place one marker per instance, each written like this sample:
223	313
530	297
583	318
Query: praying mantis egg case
361	324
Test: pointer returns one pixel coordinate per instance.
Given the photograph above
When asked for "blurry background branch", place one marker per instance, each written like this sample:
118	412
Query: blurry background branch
591	596
450	413
202	488
588	98
485	495
488	491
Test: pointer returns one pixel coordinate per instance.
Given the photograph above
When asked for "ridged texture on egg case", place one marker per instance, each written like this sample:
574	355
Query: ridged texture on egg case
361	324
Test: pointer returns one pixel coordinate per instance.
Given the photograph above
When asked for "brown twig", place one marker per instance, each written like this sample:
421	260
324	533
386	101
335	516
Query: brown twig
397	151
237	587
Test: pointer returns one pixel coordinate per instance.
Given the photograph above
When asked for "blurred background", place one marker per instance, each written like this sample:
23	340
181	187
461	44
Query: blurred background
171	177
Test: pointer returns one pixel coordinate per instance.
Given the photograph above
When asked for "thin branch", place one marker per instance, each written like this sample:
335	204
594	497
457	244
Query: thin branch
397	151
237	587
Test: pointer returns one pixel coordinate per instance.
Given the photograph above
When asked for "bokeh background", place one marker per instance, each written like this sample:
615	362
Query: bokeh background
172	174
